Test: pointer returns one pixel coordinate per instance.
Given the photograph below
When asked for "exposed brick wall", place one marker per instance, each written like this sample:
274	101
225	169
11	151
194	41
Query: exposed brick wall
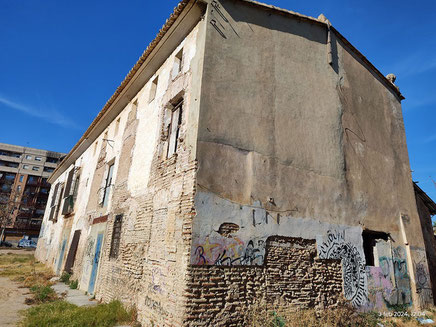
292	274
150	269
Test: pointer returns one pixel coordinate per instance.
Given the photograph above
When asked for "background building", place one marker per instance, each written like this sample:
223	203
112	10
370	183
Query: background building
23	187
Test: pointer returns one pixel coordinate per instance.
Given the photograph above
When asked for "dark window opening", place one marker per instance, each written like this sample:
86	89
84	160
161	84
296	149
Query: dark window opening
116	237
52	160
174	129
370	239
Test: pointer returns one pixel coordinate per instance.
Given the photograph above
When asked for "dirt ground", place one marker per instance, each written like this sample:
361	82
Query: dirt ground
12	296
11	302
16	251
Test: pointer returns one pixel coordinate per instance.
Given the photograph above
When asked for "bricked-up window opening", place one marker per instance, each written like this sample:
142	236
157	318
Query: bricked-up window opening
108	185
116	237
370	239
174	129
153	89
177	65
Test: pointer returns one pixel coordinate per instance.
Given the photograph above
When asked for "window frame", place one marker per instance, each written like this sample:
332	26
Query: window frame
108	185
116	237
174	132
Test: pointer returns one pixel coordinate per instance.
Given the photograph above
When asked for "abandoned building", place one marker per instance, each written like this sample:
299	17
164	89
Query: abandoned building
24	189
252	154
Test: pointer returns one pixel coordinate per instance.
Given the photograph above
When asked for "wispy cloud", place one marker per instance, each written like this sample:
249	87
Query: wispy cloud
50	115
416	63
430	139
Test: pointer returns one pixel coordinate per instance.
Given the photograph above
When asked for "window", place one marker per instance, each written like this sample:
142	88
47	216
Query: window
76	187
55	202
68	206
370	239
117	125
8	164
174	129
35	168
38	158
177	65
48	169
19	188
52	160
21	178
26	167
116	236
108	185
28	157
32	179
153	89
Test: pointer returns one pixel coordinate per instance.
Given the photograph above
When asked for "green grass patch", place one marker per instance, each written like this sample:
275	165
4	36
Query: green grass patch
64	314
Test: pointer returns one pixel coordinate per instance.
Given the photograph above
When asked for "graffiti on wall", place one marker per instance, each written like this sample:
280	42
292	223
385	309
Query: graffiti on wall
227	251
401	275
388	281
353	265
422	276
380	289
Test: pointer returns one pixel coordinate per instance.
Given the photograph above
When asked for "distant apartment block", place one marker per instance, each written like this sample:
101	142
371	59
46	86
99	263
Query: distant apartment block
23	186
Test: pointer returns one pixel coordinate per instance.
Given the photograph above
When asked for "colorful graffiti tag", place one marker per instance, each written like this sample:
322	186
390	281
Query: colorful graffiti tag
227	251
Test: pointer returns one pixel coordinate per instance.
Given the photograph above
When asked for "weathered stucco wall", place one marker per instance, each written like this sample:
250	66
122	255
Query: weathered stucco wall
290	145
430	250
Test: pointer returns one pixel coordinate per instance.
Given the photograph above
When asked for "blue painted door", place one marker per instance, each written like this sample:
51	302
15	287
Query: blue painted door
95	264
61	256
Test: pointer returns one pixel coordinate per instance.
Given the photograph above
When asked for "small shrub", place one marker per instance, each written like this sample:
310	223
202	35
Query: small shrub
65	278
74	284
42	293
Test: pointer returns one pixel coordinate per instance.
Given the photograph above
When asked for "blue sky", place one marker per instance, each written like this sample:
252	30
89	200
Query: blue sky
60	61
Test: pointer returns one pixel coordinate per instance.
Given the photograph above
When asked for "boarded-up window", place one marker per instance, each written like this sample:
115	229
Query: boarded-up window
72	252
174	129
116	236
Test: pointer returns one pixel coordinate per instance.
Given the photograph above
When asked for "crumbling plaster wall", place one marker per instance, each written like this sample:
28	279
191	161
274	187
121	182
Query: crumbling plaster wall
154	194
156	197
290	145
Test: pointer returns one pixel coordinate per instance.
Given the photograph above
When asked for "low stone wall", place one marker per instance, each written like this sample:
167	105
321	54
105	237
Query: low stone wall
292	274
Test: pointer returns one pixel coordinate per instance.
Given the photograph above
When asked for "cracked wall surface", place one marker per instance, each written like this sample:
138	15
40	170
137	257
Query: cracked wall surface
153	193
305	150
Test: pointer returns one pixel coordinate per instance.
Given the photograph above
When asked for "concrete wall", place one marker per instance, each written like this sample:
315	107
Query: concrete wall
155	195
290	145
430	250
